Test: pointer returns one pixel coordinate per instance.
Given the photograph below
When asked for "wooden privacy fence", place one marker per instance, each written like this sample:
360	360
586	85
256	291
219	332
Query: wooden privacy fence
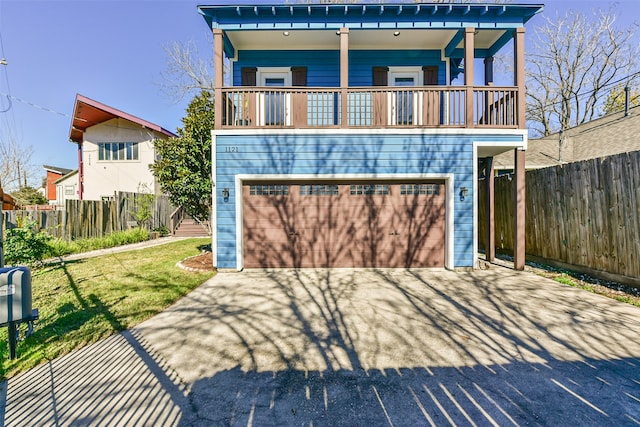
89	218
582	214
6	201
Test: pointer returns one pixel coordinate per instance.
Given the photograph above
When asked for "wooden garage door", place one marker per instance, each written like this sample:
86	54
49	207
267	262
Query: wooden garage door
337	224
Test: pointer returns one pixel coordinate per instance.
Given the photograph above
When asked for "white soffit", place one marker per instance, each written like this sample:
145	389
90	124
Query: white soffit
484	38
301	39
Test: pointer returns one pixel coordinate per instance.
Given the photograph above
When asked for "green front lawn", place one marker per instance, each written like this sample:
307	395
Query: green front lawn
81	302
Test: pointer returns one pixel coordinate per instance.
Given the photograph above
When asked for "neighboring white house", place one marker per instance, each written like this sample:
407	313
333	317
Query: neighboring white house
115	150
67	188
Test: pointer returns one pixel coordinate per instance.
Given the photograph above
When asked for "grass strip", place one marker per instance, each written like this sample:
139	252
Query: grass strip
60	247
83	301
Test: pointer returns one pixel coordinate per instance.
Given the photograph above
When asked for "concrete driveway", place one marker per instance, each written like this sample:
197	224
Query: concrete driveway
354	347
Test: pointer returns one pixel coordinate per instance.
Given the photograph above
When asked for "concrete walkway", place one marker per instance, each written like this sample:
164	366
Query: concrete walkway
354	347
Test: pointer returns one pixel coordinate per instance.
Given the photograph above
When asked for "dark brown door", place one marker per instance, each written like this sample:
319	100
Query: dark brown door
360	224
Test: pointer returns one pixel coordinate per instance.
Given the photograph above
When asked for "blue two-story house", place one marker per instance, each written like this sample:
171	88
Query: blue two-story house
351	135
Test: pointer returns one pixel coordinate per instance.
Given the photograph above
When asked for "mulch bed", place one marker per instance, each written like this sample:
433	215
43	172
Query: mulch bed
202	262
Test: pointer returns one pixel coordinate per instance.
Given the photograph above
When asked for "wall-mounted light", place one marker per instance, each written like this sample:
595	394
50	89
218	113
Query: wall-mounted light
285	33
396	33
225	194
464	192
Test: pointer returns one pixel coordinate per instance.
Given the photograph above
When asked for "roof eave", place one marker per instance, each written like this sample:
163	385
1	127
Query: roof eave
77	128
243	12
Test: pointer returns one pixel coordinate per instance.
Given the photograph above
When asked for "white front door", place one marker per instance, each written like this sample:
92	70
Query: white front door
405	105
274	105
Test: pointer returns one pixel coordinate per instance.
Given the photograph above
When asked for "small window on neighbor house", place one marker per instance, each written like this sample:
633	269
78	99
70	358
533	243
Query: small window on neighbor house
118	151
69	190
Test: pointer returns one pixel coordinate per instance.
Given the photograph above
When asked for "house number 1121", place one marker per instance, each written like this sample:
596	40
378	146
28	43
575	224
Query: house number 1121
232	149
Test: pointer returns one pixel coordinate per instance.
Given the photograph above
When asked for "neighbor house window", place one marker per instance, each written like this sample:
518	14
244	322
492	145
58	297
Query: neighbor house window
69	190
118	151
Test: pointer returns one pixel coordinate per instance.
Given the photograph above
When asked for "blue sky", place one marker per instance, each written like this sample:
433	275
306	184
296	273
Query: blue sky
113	52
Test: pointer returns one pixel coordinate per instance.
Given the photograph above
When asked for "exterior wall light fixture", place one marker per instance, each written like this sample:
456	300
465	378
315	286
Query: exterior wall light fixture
225	194
464	192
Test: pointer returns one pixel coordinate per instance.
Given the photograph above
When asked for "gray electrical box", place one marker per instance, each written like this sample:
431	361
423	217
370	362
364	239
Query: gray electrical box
15	294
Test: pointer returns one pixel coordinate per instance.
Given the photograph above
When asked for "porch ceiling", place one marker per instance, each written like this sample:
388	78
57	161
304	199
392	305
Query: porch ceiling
359	39
494	150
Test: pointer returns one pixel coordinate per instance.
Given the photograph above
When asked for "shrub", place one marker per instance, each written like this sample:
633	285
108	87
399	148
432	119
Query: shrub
163	230
142	206
22	245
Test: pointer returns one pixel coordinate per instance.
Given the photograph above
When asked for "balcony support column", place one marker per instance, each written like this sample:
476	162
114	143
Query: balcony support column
518	75
488	71
344	75
218	74
490	243
469	55
519	246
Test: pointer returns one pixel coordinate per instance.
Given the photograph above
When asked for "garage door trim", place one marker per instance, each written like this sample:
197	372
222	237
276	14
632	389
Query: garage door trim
449	201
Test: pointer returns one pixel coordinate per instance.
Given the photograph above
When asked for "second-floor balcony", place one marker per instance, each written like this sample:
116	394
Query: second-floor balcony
370	107
374	65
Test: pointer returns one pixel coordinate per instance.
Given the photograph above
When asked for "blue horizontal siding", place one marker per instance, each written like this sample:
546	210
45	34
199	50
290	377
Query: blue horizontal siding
347	154
323	66
362	61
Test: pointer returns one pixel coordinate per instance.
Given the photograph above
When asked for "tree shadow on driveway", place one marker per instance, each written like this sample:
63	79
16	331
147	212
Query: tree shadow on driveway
354	347
402	347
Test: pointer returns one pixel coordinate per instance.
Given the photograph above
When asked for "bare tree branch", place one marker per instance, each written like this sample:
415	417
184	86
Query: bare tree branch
572	66
16	168
187	72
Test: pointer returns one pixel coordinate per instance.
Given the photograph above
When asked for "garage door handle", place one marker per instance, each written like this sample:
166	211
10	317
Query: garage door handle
394	233
294	233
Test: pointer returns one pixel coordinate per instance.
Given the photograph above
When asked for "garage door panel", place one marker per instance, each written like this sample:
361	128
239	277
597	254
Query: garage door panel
265	250
344	225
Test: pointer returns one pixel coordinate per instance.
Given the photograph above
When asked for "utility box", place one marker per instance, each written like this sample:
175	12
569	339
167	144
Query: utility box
15	295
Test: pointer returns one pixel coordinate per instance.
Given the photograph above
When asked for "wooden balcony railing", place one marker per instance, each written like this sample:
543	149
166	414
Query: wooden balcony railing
368	107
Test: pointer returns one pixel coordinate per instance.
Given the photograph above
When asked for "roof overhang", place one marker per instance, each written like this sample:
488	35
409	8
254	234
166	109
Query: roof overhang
371	25
87	113
57	170
65	177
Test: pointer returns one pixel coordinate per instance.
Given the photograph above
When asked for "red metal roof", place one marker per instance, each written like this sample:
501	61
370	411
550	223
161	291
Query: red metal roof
87	113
